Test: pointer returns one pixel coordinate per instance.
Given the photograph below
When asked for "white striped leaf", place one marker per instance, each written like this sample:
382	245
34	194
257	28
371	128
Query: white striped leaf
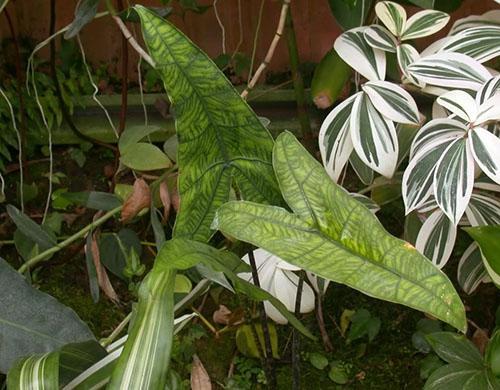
436	238
435	130
364	172
459	103
450	70
374	137
483	183
352	47
392	101
36	372
481	43
335	143
406	55
471	271
490	18
392	15
489	110
454	179
425	23
483	210
485	147
488	90
419	175
379	37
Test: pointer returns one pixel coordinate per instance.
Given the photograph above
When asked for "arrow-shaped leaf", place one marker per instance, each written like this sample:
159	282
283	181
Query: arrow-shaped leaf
334	236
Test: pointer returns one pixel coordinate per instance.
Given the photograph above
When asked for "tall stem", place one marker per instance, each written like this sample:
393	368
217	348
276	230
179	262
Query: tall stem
80	234
296	336
271	376
298	82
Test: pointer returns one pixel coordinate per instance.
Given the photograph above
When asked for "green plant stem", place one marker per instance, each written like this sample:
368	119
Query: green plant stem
298	83
296	336
56	248
270	373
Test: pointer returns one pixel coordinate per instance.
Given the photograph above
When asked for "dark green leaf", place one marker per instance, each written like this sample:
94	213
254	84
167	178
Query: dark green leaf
31	229
318	360
454	348
84	14
350	13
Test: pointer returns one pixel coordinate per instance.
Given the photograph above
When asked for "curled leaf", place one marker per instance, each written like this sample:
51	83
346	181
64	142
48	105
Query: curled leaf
137	201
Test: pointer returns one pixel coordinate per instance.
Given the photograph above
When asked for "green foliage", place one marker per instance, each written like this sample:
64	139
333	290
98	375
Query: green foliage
248	335
334	236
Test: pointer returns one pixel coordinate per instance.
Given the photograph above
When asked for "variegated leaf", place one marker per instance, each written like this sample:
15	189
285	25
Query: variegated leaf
364	59
435	130
436	238
379	37
471	272
424	23
406	55
481	43
392	15
364	172
489	110
374	137
392	101
459	103
454	179
418	177
36	372
335	144
450	70
485	147
483	210
490	18
484	183
488	90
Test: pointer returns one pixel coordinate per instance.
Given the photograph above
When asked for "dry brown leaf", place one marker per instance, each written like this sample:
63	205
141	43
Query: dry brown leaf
102	276
222	315
137	201
165	200
480	339
199	376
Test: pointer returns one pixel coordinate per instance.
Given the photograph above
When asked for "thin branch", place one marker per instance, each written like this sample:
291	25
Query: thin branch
255	40
221	25
296	336
270	51
130	39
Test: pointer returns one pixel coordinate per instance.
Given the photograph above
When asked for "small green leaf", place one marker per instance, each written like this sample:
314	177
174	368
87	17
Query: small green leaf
428	365
145	157
338	374
454	348
246	342
318	360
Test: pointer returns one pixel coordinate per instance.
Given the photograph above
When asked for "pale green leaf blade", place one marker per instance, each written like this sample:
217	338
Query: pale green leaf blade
220	137
145	157
425	23
334	138
481	43
353	48
380	38
32	321
393	102
392	15
458	376
133	134
334	236
374	137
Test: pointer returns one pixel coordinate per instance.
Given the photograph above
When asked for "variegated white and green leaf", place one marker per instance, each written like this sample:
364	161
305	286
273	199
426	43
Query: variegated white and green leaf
392	15
379	37
483	183
436	238
364	172
471	271
418	177
436	130
454	179
374	137
490	18
335	144
488	111
392	101
485	147
450	70
488	90
481	43
459	103
353	48
406	55
424	23
36	372
483	210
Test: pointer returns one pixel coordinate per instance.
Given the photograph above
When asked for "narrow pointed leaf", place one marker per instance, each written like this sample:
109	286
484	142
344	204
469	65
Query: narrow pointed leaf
481	43
374	137
392	101
450	70
437	130
455	348
379	37
406	55
454	179
459	103
335	144
353	48
488	90
221	140
392	15
483	210
485	147
425	23
471	272
436	238
489	110
336	237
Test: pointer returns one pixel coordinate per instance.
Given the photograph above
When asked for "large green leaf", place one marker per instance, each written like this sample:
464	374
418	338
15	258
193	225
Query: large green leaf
336	237
488	238
350	13
32	321
221	140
